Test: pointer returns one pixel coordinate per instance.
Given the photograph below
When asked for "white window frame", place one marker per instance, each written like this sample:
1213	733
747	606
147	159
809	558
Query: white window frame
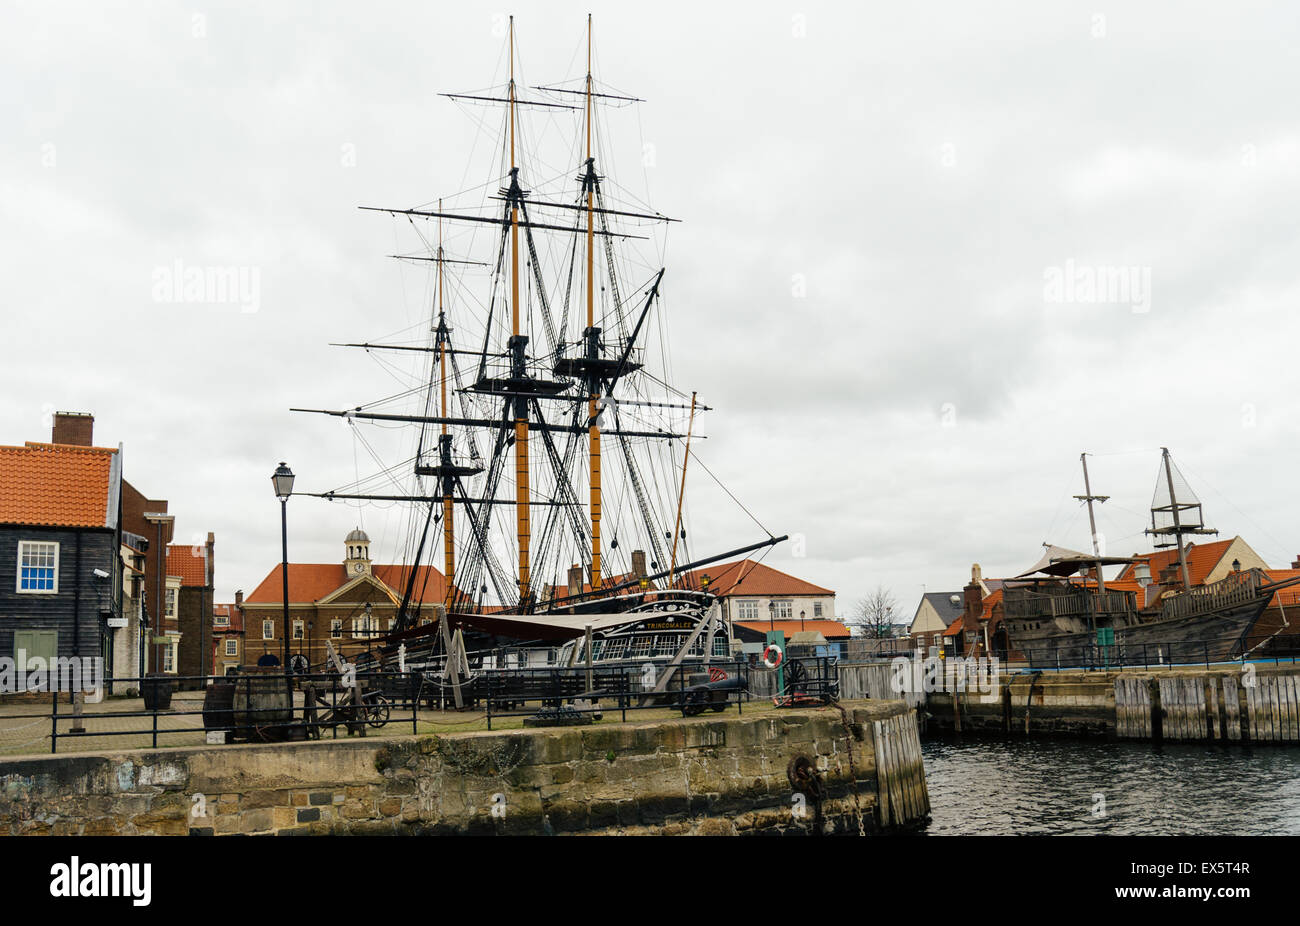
268	629
221	620
336	628
817	610
232	646
171	601
169	656
747	609
299	630
784	609
18	581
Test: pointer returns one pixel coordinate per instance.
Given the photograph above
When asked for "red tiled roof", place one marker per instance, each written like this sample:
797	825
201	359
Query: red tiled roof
310	582
746	577
992	600
1201	559
58	485
831	630
1287	597
234	615
190	563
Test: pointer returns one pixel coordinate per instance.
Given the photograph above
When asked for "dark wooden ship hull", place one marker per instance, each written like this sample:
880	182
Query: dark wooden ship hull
1214	636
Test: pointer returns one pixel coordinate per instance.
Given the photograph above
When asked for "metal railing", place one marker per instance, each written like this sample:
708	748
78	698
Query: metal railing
271	706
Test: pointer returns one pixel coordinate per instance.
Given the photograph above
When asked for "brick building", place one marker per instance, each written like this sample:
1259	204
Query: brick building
190	597
349	604
228	636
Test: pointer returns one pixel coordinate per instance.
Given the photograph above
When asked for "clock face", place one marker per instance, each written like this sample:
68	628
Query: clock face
357	568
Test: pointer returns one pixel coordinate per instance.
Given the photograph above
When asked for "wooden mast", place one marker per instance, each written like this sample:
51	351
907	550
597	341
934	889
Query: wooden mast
1092	521
681	494
593	432
444	447
522	527
1178	527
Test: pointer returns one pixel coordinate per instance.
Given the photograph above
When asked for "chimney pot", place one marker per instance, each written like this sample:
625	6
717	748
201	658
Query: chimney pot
638	564
575	580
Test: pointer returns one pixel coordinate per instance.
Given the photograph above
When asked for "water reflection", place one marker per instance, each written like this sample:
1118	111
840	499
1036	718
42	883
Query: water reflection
1044	787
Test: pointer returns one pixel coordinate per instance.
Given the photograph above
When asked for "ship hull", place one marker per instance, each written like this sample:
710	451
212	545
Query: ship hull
1214	636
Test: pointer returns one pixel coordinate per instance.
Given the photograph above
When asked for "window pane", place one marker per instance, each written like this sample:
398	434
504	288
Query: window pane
37	566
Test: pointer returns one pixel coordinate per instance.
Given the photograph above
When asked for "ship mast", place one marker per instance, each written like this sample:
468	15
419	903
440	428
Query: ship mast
593	391
1092	520
518	341
1179	527
444	442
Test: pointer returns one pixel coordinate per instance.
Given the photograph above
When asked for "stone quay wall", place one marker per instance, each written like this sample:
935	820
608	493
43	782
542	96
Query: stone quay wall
707	775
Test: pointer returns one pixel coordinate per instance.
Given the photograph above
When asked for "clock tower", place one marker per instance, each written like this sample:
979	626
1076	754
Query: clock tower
357	561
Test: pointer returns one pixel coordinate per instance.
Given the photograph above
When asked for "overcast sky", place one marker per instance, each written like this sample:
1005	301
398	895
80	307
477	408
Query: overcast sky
893	218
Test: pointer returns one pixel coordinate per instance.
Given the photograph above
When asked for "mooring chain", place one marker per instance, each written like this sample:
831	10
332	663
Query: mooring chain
853	770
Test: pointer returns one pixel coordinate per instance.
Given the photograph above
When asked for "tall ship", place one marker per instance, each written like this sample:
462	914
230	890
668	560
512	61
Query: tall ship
548	445
1063	613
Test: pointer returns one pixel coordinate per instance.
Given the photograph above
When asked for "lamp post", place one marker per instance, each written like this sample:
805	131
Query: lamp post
282	480
801	613
771	615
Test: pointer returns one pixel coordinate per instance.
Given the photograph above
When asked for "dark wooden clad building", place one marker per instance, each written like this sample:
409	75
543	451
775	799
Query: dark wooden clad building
60	569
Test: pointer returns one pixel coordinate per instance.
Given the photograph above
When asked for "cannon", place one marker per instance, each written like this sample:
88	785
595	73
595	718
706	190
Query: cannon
711	689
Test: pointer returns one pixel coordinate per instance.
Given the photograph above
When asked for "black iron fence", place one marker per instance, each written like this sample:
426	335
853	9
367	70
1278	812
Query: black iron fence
269	705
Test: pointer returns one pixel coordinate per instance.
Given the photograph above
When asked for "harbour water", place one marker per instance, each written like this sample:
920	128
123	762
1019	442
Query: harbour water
1045	787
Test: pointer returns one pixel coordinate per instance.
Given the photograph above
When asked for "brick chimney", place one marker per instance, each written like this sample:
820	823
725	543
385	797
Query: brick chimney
1296	564
575	580
76	428
973	594
638	564
239	598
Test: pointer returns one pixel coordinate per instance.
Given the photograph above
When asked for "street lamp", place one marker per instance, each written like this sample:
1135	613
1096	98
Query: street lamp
282	480
801	613
771	615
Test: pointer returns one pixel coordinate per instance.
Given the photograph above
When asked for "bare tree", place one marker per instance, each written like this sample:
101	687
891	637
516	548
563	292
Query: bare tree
874	614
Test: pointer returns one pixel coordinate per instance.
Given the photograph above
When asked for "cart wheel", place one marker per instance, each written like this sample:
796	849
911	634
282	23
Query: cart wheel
719	706
377	712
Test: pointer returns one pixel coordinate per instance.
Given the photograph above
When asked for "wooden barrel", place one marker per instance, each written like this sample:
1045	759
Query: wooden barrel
218	705
262	699
157	691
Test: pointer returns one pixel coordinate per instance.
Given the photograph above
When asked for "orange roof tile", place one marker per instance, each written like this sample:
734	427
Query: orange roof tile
747	577
59	485
1287	597
310	582
1201	559
190	563
233	615
831	630
992	600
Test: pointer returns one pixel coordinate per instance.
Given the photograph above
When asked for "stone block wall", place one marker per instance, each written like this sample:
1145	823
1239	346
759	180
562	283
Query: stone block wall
727	775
